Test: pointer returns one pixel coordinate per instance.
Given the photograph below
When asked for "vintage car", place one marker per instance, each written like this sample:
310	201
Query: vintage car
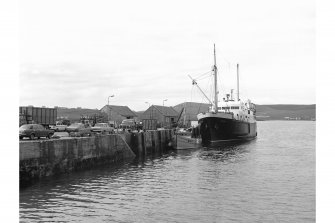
79	129
58	128
34	131
102	128
128	124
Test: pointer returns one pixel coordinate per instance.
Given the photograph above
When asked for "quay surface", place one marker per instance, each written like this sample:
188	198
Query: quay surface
43	158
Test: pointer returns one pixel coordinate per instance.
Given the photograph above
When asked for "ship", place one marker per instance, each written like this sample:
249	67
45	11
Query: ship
229	120
186	140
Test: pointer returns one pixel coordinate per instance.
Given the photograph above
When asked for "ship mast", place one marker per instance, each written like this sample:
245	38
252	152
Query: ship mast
215	84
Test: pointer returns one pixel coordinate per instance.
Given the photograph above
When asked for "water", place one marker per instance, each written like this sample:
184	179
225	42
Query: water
270	179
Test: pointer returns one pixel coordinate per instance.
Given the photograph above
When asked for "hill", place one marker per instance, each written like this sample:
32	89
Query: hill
73	114
264	112
285	112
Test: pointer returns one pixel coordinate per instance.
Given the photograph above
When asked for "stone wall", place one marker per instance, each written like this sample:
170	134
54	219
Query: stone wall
44	158
56	156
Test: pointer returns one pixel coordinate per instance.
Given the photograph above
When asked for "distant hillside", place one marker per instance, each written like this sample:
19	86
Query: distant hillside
138	113
73	114
264	112
285	111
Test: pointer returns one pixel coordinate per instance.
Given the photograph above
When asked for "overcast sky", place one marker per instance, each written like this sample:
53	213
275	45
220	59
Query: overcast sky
77	53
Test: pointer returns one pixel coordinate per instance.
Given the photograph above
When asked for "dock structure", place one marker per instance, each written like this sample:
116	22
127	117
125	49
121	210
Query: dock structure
149	142
43	158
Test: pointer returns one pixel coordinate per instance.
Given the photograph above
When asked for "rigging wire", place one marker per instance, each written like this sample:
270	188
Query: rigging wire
192	93
205	90
200	75
222	85
198	79
227	70
227	61
202	99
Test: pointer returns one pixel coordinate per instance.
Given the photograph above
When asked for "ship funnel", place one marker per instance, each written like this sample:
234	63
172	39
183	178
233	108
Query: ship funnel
227	97
231	93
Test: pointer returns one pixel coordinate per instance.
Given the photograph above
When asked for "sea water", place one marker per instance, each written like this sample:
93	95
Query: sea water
270	179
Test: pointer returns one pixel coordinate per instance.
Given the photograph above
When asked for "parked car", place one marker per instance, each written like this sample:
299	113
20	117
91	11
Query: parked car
58	128
78	129
128	124
181	130
34	130
102	128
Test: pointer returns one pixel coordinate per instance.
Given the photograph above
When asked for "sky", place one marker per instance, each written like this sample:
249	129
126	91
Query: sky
77	53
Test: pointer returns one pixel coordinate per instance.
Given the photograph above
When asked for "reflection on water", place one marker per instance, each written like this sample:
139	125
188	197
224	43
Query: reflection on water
226	153
268	179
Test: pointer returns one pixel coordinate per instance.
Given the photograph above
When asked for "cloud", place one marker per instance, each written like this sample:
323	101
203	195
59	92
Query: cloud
146	51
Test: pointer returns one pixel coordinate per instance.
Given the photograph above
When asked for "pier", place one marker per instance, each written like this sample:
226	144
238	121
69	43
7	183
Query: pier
44	158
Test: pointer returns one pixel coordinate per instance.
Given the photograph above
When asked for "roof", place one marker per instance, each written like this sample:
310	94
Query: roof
167	111
122	110
192	109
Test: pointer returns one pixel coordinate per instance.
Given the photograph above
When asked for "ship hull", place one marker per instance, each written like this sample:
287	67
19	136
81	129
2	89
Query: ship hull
186	142
217	130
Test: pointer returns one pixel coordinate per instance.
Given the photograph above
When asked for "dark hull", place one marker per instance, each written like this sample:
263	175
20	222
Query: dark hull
215	130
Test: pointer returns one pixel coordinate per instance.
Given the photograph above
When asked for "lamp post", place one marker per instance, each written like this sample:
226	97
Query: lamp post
164	111
110	113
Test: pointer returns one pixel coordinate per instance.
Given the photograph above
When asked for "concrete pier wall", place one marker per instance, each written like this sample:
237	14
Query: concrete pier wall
44	158
56	156
149	142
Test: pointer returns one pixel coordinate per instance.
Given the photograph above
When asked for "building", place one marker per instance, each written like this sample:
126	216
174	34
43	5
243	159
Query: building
118	113
164	115
190	112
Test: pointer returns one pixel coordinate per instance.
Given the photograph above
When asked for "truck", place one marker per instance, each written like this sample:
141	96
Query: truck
37	115
128	124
